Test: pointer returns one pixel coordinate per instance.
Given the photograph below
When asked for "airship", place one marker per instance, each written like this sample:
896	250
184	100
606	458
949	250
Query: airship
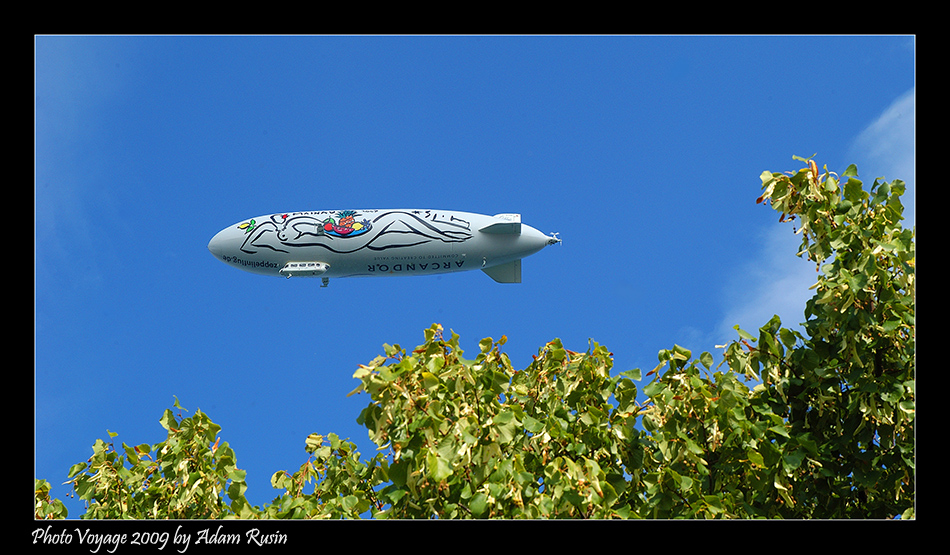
350	243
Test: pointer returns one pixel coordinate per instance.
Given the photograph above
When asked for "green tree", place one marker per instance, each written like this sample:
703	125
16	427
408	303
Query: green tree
344	486
183	477
846	390
788	424
44	506
476	438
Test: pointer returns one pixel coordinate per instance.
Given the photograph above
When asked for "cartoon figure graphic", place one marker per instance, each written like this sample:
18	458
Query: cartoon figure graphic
342	233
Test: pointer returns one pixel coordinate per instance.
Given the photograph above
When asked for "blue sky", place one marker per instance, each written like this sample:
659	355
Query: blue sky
643	153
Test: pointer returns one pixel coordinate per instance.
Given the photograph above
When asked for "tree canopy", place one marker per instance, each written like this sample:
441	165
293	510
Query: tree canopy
787	424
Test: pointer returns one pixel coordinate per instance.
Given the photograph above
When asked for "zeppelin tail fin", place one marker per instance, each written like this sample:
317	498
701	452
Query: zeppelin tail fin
505	273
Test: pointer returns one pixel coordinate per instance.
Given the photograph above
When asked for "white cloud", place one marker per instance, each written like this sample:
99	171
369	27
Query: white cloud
776	281
72	85
886	148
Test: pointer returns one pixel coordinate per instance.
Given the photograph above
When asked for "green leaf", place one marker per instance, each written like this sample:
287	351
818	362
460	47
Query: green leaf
854	190
788	337
780	430
76	469
693	447
634	374
479	505
755	458
653	388
681	353
791	461
350	501
532	425
314	442
506	425
168	420
744	334
437	468
430	381
686	483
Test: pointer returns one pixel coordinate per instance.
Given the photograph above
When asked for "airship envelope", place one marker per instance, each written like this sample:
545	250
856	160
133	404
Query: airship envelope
351	243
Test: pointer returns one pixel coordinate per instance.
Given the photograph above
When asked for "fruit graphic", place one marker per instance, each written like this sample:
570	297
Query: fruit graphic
346	226
347	217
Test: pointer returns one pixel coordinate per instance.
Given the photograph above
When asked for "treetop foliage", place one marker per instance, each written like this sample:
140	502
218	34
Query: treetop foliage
787	425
